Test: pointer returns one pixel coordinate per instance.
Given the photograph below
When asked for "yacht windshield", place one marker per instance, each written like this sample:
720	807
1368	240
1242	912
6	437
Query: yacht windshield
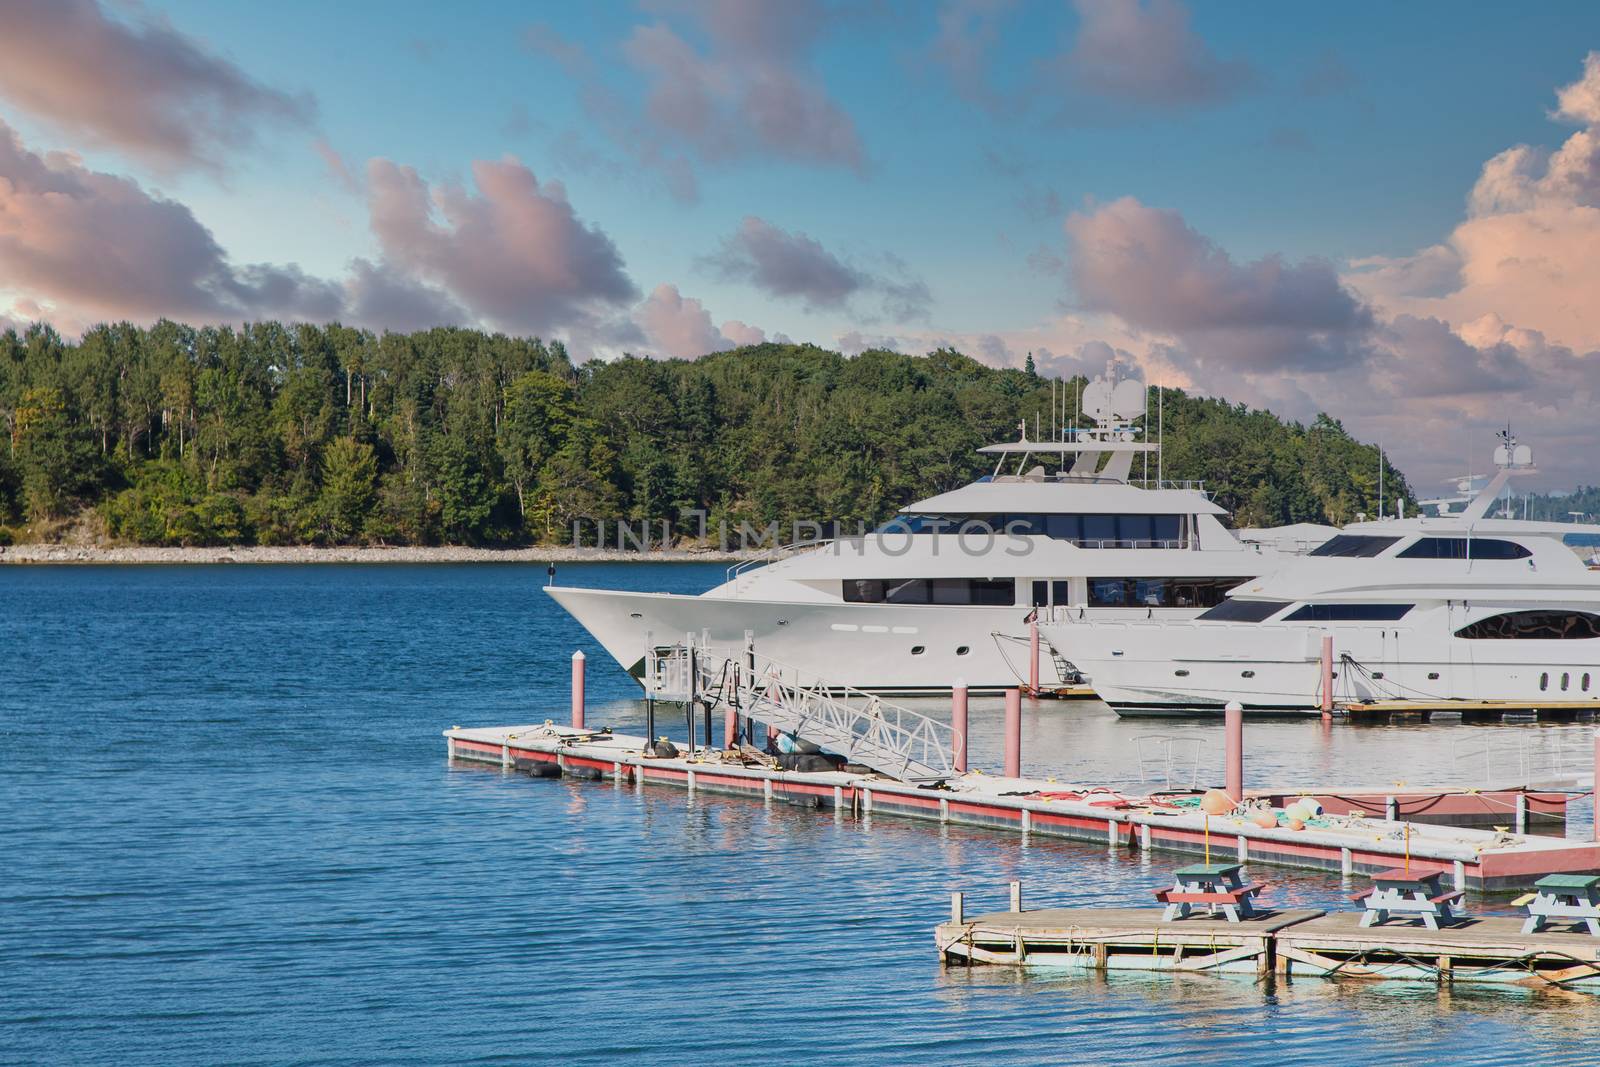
1244	610
1353	545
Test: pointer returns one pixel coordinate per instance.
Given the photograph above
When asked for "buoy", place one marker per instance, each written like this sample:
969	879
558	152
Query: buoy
1296	811
1311	806
1266	819
1216	802
1296	824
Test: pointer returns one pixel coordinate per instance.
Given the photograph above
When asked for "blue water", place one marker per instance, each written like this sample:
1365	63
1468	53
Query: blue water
231	835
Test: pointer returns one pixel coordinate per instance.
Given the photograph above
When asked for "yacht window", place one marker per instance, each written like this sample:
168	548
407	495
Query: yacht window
1135	528
1058	591
1047	592
1244	610
1040	593
1581	540
1348	612
1353	545
1566	679
1586	682
1534	626
1099	528
1159	592
1064	527
983	591
1463	548
1544	682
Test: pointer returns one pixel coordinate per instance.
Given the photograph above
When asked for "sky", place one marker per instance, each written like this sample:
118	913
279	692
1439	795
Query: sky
1388	213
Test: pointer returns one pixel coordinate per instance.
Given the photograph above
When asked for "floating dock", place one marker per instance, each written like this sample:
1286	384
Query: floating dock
1382	711
1294	943
1475	858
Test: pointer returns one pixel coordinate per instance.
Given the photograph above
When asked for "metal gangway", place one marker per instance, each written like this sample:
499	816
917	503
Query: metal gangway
859	726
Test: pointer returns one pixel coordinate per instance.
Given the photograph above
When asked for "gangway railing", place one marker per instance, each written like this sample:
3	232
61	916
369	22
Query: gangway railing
863	728
1551	758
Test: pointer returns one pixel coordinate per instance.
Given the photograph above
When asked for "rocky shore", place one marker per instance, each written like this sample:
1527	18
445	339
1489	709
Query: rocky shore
59	553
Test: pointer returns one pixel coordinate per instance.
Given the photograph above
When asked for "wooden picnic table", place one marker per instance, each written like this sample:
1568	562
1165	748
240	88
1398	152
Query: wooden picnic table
1564	896
1212	885
1408	893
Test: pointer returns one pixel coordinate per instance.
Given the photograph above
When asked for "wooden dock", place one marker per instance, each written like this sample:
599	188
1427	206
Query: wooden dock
1467	857
1290	943
1383	711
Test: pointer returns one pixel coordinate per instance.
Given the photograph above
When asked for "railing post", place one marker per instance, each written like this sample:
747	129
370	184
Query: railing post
1033	653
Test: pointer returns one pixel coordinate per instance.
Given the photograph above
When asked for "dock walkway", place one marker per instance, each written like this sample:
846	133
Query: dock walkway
1481	859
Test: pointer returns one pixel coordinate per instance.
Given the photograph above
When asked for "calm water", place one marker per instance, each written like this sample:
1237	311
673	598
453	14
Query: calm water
230	835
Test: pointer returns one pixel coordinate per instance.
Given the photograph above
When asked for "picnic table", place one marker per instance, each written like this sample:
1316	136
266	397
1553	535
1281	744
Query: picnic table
1564	896
1213	885
1409	893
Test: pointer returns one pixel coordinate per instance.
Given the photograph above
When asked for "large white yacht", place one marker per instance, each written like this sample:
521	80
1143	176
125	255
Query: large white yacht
1458	606
944	591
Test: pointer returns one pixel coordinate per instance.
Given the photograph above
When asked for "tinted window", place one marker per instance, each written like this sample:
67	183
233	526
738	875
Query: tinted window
1353	545
1135	528
1348	612
1534	626
1581	540
1099	527
1159	592
985	591
1245	610
1168	527
1463	548
1064	527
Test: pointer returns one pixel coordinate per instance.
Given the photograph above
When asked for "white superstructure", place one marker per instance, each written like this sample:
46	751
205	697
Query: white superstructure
945	590
1457	606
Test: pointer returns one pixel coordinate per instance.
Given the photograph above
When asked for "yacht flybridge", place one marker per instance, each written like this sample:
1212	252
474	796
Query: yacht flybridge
943	592
1457	606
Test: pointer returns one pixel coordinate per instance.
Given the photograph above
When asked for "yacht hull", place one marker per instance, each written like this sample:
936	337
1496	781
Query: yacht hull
866	646
1163	669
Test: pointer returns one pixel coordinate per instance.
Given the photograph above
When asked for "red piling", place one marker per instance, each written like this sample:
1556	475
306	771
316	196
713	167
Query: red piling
1327	676
1233	718
958	725
577	690
1033	653
1013	733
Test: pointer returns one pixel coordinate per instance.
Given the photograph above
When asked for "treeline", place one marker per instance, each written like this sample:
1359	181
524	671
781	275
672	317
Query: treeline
307	434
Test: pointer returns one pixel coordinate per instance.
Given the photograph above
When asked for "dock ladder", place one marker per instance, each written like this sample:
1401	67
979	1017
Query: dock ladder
859	726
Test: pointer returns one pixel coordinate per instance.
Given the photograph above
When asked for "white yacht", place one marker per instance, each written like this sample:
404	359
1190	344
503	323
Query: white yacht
1457	606
944	591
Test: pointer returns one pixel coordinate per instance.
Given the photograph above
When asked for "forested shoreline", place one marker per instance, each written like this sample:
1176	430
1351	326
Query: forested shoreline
278	434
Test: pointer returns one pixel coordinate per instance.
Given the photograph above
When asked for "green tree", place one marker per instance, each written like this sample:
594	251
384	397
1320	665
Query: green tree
349	487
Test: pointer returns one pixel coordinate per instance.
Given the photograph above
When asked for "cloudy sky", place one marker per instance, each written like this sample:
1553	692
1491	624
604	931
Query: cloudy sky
1387	212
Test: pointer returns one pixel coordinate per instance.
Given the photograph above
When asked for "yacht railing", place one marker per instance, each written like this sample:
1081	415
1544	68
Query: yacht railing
1551	758
772	555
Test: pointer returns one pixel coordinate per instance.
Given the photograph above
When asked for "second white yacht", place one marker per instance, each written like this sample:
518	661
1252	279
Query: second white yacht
1457	606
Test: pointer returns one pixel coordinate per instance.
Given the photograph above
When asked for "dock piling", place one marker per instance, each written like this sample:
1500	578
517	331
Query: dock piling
577	690
1013	767
1595	792
957	912
958	726
1327	677
1233	716
1033	653
1016	896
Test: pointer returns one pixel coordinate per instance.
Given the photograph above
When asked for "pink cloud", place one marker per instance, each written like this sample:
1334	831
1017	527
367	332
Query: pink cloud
743	334
1144	53
514	253
94	244
795	266
1149	268
381	297
337	169
678	325
139	86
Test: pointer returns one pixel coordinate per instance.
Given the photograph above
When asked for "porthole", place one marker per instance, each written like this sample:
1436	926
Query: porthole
1433	676
1544	682
917	650
1247	674
1181	674
1378	675
1586	682
962	650
1566	679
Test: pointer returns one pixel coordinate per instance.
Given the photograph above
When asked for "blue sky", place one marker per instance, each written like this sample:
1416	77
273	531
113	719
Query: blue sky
1320	135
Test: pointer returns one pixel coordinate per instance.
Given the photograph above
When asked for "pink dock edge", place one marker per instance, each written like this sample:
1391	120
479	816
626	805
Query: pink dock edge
1470	857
